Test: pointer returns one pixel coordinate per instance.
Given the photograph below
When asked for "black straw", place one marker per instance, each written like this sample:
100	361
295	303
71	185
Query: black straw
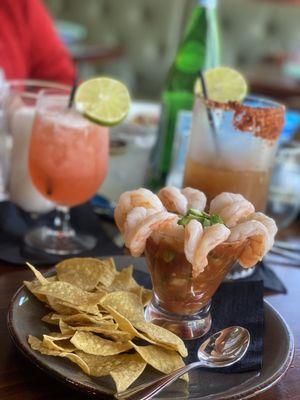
209	113
72	94
205	95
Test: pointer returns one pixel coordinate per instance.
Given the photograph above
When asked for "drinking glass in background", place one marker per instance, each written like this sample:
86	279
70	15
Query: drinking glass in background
131	144
68	161
19	109
236	153
4	143
231	149
284	195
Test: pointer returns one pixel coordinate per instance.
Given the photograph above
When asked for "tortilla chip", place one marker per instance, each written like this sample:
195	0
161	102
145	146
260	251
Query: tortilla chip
124	281
57	336
37	345
65	308
125	303
114	334
78	319
31	286
122	322
86	273
123	368
163	360
58	343
47	318
94	310
162	336
57	306
127	326
128	372
66	292
42	280
92	344
146	296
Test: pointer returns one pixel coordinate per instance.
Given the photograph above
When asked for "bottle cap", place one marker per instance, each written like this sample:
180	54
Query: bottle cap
208	3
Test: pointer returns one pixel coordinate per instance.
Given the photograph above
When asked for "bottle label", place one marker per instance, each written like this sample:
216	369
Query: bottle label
208	3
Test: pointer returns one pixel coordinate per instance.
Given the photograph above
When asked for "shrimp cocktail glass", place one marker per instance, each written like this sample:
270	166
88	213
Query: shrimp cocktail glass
233	139
188	250
68	156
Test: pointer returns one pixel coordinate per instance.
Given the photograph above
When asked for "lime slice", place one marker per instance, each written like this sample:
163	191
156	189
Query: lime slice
223	84
103	100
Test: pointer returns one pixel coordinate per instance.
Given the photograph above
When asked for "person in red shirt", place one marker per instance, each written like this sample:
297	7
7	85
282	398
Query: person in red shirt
29	45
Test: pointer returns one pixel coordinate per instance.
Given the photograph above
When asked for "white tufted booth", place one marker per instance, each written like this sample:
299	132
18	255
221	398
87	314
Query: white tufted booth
150	31
254	29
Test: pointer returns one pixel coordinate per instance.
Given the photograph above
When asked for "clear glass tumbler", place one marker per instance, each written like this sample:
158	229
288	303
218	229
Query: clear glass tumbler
284	195
68	161
181	302
19	107
232	148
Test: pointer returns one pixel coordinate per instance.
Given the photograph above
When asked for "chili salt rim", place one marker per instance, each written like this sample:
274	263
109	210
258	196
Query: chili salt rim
264	122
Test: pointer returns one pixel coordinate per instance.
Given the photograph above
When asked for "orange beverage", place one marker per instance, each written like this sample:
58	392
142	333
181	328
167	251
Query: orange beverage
68	157
176	290
254	185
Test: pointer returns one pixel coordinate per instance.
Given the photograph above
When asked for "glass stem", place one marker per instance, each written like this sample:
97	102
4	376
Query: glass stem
62	220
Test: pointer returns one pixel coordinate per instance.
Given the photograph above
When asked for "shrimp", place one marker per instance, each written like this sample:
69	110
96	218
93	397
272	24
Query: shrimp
231	207
206	241
196	199
135	198
135	216
171	233
256	236
192	234
144	225
269	223
173	200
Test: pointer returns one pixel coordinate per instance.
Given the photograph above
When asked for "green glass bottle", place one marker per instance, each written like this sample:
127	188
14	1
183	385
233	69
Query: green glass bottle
198	50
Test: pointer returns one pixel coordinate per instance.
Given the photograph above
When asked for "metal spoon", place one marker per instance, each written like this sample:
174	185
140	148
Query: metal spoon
222	349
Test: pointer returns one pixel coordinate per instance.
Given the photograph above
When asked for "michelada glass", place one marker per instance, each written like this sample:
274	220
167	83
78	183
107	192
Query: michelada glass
68	161
232	147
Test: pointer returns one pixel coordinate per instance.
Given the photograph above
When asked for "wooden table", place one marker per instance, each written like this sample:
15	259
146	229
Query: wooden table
19	379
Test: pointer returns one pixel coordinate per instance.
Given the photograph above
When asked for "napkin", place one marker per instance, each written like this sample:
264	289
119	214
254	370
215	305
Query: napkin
14	223
268	277
239	303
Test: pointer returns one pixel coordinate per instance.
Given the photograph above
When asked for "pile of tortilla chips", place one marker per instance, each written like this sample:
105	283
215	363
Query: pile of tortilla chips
98	314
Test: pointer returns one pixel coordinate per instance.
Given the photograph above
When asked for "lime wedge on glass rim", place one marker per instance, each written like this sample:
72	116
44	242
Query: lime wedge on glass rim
105	101
223	84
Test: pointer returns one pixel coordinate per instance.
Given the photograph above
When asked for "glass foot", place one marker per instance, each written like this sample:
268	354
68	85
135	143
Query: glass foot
59	242
238	272
185	326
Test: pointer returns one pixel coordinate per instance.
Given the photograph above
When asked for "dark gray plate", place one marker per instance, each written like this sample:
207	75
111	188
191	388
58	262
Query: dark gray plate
24	317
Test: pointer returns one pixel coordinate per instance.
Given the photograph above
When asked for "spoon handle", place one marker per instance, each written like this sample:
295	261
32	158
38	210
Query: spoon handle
148	390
